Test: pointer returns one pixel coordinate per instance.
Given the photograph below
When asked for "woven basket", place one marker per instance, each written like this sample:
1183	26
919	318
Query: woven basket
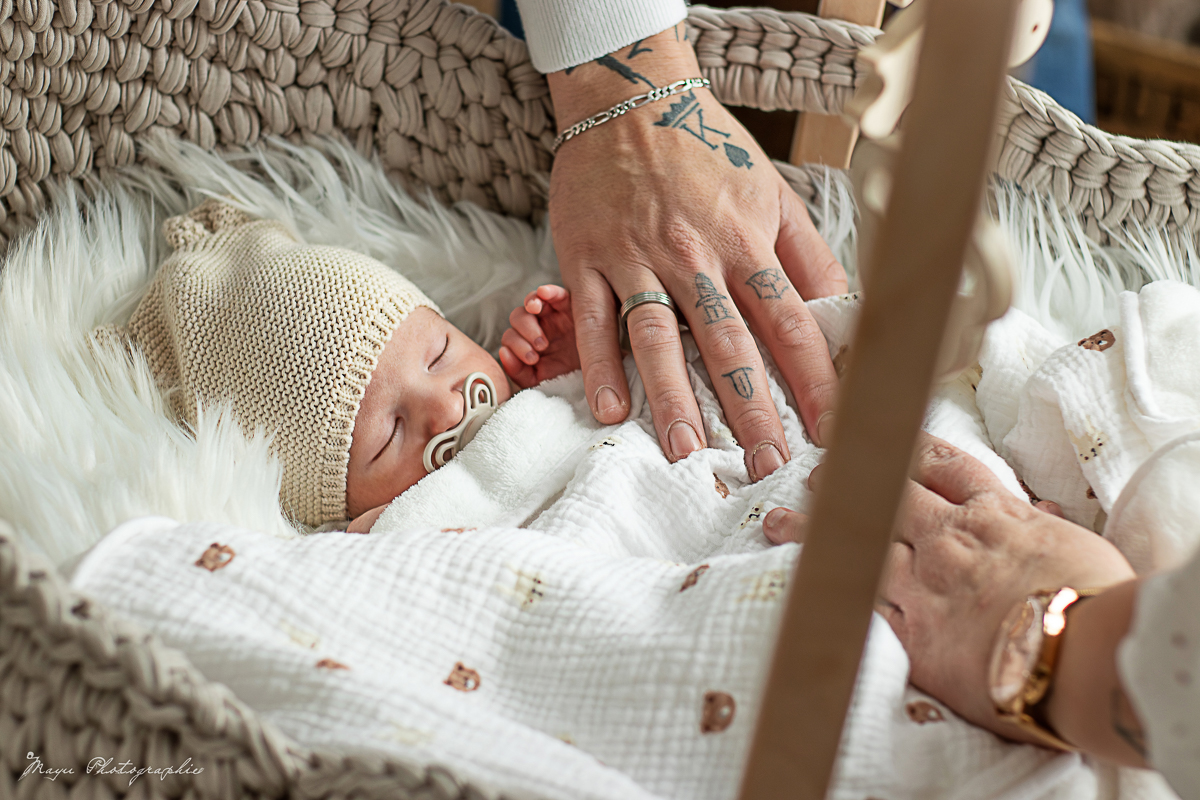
450	102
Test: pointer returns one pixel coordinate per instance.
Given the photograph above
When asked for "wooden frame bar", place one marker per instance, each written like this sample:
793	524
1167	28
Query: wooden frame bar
823	138
1146	87
916	264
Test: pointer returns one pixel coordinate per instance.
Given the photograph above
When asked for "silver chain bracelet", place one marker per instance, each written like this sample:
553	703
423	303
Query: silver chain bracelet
620	108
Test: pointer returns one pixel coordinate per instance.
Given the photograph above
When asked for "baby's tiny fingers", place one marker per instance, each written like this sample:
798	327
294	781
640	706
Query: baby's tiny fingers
552	293
526	324
519	346
534	305
521	374
1050	507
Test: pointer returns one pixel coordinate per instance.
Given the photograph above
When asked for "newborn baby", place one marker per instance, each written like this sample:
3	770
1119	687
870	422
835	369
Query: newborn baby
350	368
418	391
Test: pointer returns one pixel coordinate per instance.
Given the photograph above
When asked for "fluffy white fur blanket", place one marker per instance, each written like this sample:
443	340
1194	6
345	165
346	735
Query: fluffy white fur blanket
83	443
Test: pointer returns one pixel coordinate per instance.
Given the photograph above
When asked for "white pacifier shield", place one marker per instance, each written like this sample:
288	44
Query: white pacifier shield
479	401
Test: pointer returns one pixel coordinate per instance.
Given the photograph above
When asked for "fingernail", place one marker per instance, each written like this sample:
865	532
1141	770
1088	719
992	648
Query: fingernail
683	439
773	522
765	460
814	477
607	401
539	343
824	429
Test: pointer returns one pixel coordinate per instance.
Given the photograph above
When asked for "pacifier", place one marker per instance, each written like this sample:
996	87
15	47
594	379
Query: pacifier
479	401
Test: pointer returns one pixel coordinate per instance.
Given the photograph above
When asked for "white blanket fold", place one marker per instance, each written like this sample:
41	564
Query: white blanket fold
1095	423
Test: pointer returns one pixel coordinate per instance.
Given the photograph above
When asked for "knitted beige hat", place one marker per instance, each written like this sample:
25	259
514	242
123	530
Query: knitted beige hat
289	333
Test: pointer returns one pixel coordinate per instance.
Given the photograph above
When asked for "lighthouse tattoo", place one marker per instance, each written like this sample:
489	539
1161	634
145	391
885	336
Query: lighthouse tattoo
714	303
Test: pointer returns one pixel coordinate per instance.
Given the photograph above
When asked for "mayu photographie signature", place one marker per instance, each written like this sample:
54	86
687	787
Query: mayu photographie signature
106	766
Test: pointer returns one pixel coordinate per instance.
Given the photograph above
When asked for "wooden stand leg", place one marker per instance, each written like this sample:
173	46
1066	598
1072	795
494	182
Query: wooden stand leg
824	139
860	12
915	268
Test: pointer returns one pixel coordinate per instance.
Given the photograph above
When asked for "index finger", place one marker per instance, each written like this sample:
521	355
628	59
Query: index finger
952	473
599	356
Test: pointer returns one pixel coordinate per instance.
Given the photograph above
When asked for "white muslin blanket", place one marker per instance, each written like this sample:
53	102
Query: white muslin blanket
1107	427
559	612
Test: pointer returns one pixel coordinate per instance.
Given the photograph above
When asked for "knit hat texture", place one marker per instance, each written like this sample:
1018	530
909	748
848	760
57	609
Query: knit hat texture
287	332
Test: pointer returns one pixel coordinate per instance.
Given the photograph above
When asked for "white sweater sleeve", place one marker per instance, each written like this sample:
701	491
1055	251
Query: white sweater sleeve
1159	662
566	33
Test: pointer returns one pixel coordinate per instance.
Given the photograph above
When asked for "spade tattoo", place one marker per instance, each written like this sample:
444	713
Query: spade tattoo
737	156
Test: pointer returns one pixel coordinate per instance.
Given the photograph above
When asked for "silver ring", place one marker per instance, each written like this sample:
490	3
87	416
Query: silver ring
639	299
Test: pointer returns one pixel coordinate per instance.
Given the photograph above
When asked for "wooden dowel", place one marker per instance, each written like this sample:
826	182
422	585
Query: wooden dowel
916	265
829	139
861	12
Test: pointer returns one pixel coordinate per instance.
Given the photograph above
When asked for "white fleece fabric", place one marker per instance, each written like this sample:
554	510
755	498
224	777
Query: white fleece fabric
1109	428
567	33
559	612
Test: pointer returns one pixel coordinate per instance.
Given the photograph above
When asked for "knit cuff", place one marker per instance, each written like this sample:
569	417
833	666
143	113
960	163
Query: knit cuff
566	34
346	399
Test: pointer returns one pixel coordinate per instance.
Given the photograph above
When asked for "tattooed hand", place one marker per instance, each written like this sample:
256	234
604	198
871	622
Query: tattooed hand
675	196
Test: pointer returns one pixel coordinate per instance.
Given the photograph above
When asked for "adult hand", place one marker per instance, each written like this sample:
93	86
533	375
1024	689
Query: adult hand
677	197
966	552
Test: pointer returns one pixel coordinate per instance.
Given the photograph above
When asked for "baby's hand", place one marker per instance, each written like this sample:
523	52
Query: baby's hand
540	345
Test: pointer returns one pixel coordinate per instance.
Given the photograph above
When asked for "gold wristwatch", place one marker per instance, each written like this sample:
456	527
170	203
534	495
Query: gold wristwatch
1024	657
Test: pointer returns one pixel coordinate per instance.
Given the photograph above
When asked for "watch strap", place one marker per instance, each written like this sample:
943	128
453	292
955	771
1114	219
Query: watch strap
1042	733
1038	685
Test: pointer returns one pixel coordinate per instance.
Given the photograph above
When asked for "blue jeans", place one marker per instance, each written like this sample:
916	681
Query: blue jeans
1063	67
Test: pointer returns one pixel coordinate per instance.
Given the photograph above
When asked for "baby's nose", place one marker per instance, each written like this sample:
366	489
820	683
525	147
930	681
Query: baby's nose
448	412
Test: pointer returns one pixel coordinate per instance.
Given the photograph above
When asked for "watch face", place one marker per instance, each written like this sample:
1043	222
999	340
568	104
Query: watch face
1015	654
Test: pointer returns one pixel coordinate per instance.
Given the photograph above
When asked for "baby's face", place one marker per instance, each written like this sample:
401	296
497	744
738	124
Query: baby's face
414	394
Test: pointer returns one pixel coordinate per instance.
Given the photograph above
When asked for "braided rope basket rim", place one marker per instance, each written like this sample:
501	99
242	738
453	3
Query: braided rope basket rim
450	102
